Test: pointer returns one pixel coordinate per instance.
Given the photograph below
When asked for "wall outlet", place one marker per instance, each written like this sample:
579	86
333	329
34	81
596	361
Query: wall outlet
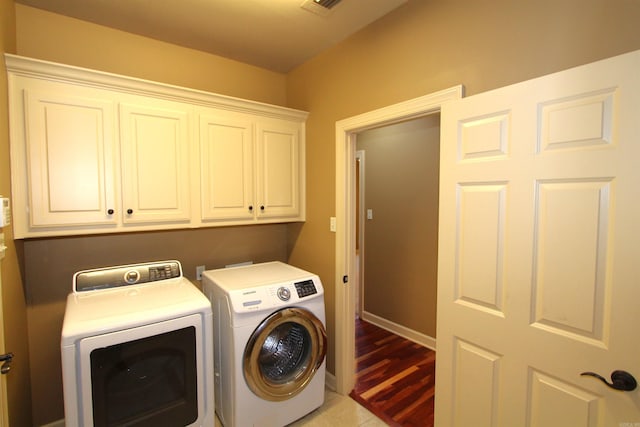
199	270
332	224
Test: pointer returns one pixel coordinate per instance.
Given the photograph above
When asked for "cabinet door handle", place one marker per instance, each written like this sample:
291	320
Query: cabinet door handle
110	212
250	208
620	380
129	211
262	208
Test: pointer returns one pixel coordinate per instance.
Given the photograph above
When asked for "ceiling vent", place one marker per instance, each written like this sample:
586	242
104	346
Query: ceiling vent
327	3
319	7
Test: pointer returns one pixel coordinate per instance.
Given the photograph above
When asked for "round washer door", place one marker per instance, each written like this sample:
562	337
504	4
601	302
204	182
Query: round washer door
283	353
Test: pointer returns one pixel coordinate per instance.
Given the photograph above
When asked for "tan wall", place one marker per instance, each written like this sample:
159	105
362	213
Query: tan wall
425	46
12	298
422	47
50	263
57	38
401	241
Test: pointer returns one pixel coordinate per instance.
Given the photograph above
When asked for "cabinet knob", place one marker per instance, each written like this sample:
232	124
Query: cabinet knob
129	211
110	211
262	208
251	208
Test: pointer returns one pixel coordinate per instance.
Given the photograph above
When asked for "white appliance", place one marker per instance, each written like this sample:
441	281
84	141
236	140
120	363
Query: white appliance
269	341
137	348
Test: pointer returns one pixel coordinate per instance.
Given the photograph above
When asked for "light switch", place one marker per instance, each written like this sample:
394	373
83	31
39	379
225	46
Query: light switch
3	248
332	224
369	213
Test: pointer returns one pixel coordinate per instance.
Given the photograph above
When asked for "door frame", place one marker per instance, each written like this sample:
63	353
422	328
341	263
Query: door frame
346	134
359	285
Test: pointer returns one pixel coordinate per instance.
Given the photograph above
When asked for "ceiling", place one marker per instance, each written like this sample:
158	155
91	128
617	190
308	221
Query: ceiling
274	34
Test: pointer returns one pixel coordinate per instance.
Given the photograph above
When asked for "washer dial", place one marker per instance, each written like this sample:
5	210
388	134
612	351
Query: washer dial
284	293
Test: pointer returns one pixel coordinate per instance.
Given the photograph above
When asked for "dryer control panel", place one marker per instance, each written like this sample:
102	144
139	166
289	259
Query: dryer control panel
125	275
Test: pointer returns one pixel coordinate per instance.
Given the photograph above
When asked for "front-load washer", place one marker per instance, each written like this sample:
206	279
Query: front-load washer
269	341
137	348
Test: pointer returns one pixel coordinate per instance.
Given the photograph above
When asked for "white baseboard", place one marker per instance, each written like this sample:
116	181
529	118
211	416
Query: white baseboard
400	330
59	423
330	381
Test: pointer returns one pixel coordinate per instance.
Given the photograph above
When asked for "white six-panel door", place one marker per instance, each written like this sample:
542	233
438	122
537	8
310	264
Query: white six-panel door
539	256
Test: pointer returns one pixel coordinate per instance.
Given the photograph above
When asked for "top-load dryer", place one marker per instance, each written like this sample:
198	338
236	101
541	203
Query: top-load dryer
136	348
269	343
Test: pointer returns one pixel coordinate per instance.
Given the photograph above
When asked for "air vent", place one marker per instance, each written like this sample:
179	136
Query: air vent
327	3
319	7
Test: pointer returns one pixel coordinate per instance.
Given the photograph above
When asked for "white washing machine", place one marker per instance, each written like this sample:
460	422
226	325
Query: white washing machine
137	348
269	341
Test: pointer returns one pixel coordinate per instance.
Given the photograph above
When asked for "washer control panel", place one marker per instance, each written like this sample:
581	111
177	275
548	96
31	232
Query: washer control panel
125	275
306	288
264	297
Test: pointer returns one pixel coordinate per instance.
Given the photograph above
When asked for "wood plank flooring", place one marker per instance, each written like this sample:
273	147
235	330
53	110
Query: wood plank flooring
395	377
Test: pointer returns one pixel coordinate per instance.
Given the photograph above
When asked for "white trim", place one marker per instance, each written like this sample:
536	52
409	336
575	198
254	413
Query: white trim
403	331
59	423
360	155
346	131
330	381
52	71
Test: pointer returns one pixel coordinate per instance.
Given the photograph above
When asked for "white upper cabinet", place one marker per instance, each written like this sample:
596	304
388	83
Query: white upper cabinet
69	152
278	169
250	168
94	152
226	161
154	143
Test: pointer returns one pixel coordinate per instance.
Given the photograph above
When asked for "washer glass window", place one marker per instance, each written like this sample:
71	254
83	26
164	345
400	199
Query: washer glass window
283	353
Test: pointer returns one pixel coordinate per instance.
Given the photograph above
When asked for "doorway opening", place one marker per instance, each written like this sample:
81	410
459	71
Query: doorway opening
346	208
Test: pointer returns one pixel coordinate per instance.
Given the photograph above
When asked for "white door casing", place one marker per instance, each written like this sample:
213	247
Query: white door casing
346	131
4	405
538	256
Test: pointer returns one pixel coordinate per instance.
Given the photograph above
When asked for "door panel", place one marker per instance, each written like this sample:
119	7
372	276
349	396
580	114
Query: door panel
538	264
70	147
278	169
155	162
226	158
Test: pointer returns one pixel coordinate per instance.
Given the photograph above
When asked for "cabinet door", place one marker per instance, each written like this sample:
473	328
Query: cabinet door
155	161
70	152
226	165
278	169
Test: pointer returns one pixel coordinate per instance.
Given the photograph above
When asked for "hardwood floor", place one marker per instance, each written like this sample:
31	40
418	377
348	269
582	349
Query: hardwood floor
395	377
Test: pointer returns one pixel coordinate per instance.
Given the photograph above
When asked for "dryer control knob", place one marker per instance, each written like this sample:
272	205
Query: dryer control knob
284	294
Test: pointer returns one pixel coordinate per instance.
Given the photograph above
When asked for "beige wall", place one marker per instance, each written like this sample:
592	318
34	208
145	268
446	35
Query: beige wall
57	38
426	46
12	298
420	48
401	181
50	263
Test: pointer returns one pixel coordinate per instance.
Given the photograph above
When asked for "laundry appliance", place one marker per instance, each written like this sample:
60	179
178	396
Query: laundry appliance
269	343
137	348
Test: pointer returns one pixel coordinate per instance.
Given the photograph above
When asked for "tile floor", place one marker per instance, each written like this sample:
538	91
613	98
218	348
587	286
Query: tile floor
337	411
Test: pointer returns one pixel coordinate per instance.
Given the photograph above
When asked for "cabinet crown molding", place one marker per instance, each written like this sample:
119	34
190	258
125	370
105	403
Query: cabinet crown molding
53	71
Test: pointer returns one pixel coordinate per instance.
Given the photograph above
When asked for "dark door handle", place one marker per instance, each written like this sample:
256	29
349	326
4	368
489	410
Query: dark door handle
6	366
621	380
